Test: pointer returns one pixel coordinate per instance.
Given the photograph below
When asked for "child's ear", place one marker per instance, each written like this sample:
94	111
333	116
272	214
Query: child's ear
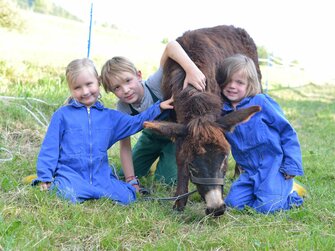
139	75
100	80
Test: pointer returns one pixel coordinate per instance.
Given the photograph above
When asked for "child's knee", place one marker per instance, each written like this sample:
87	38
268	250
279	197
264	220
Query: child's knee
125	196
266	208
230	201
128	200
269	205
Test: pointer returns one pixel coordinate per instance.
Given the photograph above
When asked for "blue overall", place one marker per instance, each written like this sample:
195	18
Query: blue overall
74	157
266	147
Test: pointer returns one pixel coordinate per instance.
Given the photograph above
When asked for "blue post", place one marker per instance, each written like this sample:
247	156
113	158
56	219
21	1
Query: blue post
89	32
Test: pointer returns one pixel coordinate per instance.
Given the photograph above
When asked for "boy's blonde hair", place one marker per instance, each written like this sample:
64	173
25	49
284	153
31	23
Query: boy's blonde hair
238	62
113	68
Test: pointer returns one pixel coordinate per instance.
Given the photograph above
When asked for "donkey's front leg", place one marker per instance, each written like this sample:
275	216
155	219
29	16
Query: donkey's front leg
182	184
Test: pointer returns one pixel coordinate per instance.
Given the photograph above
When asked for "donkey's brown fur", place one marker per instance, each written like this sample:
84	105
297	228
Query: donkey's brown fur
200	110
208	47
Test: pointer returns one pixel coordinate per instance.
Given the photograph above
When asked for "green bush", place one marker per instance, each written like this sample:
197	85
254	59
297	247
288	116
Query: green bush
9	16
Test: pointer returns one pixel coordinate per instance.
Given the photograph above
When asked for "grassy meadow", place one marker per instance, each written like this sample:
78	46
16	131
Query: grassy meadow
32	87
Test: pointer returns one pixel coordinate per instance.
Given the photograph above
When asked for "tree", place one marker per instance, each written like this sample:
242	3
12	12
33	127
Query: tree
262	54
10	16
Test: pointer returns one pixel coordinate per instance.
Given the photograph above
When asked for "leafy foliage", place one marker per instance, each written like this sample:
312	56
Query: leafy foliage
46	7
9	16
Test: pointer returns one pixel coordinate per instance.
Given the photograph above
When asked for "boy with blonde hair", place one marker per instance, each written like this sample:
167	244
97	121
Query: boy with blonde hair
120	76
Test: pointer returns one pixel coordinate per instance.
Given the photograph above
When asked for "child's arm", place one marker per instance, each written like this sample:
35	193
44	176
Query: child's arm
194	75
127	125
127	161
48	156
292	161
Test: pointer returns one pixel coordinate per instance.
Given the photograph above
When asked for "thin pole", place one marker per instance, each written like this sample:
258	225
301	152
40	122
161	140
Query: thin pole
90	32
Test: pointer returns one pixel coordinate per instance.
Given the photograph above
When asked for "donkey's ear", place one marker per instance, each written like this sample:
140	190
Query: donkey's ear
168	129
229	121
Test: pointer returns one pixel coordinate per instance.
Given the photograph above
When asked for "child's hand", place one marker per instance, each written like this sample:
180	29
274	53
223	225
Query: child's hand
287	176
167	104
137	187
45	186
196	78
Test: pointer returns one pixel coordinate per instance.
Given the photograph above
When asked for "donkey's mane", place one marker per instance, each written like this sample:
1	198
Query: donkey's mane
199	111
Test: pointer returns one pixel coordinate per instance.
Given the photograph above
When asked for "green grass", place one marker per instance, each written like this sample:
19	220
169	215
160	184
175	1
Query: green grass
35	220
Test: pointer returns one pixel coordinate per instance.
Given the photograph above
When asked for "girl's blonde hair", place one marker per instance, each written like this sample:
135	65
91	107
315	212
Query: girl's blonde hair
75	67
113	68
239	62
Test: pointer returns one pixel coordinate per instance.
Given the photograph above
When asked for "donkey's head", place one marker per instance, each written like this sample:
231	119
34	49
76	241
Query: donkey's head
201	147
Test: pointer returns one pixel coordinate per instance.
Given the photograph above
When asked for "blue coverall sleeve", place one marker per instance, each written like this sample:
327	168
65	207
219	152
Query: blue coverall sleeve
275	118
49	154
128	125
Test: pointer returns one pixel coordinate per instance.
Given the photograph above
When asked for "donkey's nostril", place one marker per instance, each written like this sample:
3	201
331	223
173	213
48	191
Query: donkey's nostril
216	212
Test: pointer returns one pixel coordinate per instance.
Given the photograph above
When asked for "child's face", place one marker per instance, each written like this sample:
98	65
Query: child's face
128	87
236	88
85	89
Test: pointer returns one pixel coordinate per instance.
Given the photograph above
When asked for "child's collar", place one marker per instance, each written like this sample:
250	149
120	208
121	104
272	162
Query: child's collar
77	104
228	106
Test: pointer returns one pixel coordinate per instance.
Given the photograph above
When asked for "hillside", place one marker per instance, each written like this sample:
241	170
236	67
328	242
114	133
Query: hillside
56	41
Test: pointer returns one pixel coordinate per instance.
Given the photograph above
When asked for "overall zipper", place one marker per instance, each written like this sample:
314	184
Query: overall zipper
90	144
